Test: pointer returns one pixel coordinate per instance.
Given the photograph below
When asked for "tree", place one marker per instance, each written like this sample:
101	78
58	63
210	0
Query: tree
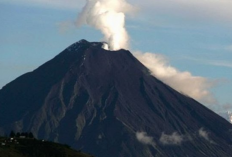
12	134
18	134
26	134
30	135
23	134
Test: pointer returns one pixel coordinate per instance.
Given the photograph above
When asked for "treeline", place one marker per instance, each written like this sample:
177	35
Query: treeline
22	134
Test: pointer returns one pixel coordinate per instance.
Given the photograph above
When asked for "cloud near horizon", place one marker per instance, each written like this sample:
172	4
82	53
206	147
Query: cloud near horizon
204	134
144	138
173	139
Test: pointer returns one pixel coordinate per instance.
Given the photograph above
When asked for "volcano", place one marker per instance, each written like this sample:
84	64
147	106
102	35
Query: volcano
107	103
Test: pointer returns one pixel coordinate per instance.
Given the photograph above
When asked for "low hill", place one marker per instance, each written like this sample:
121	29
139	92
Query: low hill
17	147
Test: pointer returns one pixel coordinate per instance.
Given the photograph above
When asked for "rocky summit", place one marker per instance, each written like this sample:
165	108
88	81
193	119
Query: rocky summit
107	103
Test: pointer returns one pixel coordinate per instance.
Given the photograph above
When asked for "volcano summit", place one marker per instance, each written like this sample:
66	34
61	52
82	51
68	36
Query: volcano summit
107	103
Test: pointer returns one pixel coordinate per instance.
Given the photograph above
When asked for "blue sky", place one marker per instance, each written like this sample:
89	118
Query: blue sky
194	36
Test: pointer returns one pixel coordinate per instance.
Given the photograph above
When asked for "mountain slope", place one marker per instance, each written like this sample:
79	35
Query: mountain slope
98	101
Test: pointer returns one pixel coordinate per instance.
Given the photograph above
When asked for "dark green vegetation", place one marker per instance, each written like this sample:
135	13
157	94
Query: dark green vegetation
35	148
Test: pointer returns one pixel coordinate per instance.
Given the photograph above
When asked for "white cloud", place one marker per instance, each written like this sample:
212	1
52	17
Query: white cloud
221	63
204	134
229	48
194	86
65	26
173	139
60	4
227	106
216	10
210	10
144	138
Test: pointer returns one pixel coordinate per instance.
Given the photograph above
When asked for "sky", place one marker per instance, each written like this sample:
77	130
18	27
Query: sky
193	37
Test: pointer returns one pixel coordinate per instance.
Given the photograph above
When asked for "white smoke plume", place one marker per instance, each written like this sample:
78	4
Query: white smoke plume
193	86
109	17
173	139
204	134
144	138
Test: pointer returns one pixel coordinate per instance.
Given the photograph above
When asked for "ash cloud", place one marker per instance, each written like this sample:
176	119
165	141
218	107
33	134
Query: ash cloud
144	138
